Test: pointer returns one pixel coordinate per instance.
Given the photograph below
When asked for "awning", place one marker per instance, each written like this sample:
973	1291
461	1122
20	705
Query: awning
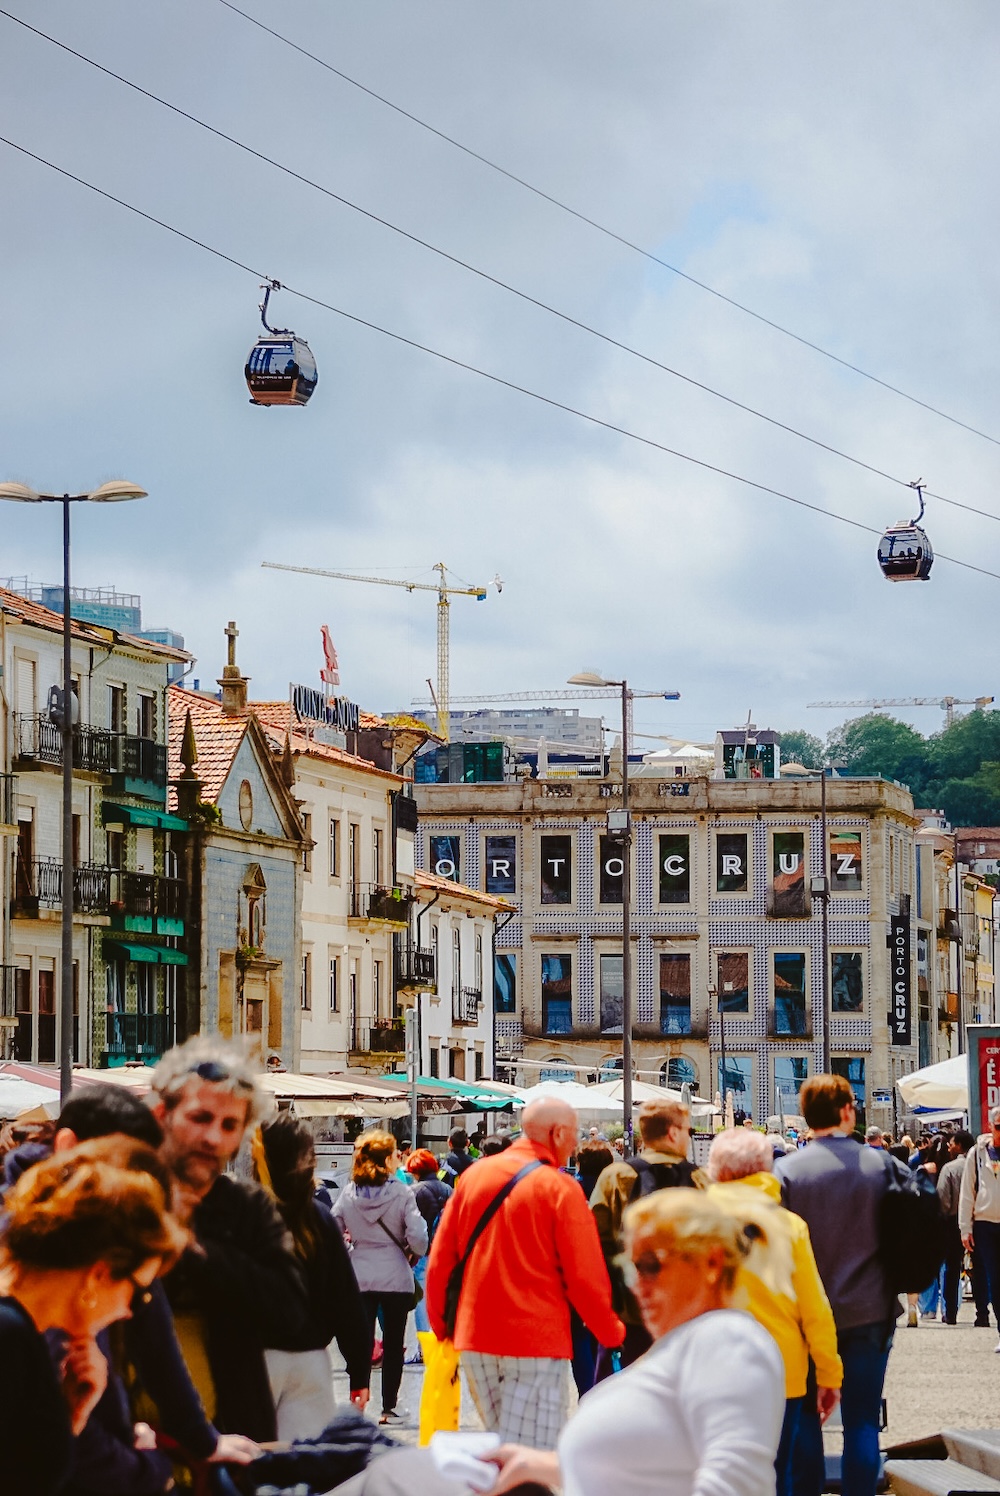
134	950
944	1085
140	815
473	1096
311	1107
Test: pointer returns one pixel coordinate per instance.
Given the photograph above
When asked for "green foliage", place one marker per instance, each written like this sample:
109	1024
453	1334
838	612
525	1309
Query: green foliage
800	747
877	744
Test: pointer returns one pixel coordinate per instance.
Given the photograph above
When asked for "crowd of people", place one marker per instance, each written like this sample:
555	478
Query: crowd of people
161	1309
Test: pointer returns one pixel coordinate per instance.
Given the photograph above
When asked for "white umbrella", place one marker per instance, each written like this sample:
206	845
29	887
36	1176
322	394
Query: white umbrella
17	1096
945	1085
643	1091
581	1098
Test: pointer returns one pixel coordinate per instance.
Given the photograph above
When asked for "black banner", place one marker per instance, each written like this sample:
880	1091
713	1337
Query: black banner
900	1010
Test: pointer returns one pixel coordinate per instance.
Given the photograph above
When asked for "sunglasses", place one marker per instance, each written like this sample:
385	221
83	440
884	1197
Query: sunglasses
214	1071
644	1268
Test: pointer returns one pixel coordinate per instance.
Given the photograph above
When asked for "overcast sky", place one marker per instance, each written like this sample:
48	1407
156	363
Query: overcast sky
830	167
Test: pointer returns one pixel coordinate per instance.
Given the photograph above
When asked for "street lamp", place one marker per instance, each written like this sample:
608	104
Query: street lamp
115	492
620	826
819	887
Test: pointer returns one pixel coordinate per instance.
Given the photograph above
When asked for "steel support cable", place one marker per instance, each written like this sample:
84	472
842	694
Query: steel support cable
475	270
457	363
612	233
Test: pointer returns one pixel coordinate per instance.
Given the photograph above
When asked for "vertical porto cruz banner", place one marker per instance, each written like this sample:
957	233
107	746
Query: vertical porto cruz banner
984	1074
900	996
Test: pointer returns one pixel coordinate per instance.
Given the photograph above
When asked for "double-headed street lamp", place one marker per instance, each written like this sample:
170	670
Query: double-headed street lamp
109	493
620	826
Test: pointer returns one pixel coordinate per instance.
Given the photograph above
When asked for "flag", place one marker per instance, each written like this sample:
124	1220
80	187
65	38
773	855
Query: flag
331	672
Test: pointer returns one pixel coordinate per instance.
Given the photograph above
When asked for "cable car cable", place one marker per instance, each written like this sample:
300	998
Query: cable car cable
482	274
646	441
609	232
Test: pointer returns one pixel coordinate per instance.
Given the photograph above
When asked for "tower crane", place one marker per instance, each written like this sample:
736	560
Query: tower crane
444	594
946	703
591	693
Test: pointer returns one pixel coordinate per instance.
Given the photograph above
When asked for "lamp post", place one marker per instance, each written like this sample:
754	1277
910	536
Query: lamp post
819	887
620	826
108	493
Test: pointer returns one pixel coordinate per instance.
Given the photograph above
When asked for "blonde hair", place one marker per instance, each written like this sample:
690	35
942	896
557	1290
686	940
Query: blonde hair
372	1152
689	1224
206	1057
736	1153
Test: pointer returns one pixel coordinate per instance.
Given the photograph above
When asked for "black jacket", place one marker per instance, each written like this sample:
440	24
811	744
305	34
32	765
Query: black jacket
35	1438
432	1195
242	1278
335	1307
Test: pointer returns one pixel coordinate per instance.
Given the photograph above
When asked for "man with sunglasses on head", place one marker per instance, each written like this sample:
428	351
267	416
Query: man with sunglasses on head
238	1289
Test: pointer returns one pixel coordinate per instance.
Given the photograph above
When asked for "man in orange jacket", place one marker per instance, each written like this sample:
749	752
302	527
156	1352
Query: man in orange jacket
537	1257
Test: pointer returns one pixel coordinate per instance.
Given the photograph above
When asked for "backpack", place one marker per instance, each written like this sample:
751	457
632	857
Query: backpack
912	1229
651	1177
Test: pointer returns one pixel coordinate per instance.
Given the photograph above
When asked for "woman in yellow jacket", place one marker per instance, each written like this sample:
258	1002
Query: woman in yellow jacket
781	1288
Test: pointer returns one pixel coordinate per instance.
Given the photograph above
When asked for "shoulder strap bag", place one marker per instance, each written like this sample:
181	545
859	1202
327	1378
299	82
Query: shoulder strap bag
456	1278
411	1258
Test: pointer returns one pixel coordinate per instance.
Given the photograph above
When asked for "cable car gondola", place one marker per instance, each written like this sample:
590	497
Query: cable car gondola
905	554
280	368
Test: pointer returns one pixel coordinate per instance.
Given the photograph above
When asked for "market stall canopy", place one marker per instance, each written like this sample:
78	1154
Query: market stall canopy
18	1096
936	1087
472	1096
580	1098
325	1096
642	1091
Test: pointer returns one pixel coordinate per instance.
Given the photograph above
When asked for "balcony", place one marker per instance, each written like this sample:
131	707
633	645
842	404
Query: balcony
415	966
466	1003
141	758
138	1036
147	904
137	761
370	901
949	925
381	1036
8	800
40	885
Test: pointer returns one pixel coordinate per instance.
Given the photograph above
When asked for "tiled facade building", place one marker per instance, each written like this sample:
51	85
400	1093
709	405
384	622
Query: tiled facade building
722	916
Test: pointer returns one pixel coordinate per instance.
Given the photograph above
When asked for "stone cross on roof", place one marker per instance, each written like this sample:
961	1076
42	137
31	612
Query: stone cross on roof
234	685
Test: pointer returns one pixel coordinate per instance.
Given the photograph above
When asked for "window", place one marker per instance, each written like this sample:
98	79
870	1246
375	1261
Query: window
557	994
556	1070
377	989
478	1073
334	991
505	983
788	874
675	994
789	993
675	870
789	1073
479	962
47	1015
852	1068
115	848
738	1082
847	981
612	994
732	864
845	862
612	870
353	857
333	847
456	1064
307	856
378	837
145	987
556	870
445	855
145	715
305	996
733	981
456	961
434	1061
678	1072
501	864
116	708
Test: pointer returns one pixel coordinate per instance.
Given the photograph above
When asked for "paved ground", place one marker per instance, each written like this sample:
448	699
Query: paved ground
939	1376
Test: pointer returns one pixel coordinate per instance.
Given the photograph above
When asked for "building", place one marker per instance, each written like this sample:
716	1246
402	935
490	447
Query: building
127	919
525	726
108	608
723	917
240	862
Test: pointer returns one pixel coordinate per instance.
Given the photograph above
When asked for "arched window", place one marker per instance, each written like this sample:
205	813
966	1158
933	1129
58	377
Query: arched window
556	1069
678	1070
611	1069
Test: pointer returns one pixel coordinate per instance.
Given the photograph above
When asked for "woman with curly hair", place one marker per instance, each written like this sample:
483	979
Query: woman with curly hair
84	1233
387	1231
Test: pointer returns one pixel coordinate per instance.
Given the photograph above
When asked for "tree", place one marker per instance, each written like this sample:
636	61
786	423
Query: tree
961	749
799	746
877	744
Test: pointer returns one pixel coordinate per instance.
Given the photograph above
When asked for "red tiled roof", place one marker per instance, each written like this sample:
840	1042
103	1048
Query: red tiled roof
217	736
35	614
276	718
433	882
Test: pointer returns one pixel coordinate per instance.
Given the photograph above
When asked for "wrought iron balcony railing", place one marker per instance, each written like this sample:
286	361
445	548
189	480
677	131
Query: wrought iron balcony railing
415	966
94	749
146	896
138	1036
372	901
465	1005
8	799
40	884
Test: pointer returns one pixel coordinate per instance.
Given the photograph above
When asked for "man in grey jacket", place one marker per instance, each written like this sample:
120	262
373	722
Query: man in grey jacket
979	1213
949	1187
836	1185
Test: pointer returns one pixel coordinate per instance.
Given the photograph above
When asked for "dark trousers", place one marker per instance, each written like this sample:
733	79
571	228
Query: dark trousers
395	1307
636	1343
954	1256
864	1350
986	1260
786	1445
584	1361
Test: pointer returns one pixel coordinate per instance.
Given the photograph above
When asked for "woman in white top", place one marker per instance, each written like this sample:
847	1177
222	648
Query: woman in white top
700	1414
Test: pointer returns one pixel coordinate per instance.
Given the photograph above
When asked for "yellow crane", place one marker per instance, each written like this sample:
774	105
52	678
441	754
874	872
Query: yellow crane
444	594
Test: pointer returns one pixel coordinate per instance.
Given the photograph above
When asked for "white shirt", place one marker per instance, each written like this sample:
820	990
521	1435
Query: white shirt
699	1415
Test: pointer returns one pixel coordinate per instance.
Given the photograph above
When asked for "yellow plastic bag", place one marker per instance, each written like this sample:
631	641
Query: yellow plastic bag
441	1397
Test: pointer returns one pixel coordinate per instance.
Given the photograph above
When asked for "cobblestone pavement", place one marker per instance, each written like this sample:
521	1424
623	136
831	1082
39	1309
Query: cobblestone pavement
940	1376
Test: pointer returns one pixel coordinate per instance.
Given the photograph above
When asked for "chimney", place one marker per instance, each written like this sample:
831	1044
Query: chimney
234	685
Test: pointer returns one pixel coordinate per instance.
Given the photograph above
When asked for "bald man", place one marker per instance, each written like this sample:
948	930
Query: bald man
538	1255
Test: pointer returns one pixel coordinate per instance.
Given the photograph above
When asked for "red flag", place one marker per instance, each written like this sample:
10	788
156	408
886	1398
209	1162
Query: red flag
331	673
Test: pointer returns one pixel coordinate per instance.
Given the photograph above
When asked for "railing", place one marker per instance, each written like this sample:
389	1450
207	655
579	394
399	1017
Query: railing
94	749
372	901
415	966
387	1036
465	1005
8	799
144	895
138	1036
41	883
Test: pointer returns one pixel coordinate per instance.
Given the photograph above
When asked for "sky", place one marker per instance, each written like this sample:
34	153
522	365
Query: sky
828	167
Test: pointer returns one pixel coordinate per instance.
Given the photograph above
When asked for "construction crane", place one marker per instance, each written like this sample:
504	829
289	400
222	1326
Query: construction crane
444	593
946	703
591	693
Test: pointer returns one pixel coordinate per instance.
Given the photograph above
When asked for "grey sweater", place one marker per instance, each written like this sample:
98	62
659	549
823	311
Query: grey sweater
368	1212
836	1185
